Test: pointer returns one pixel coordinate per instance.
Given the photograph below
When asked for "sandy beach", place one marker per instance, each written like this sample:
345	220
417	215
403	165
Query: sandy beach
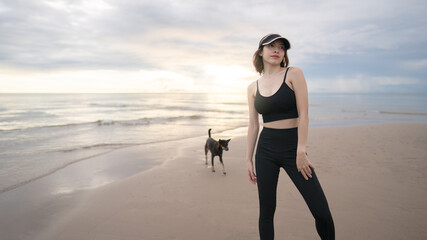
373	176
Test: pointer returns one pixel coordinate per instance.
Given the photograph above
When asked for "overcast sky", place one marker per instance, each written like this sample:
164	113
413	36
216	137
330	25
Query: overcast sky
157	46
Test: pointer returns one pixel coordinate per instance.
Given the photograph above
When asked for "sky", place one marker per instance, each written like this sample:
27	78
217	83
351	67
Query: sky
66	46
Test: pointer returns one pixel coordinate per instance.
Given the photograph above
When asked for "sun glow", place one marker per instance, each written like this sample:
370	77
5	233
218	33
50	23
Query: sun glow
229	78
216	78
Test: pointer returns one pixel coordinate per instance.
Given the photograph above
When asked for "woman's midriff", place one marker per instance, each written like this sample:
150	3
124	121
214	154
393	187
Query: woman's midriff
281	124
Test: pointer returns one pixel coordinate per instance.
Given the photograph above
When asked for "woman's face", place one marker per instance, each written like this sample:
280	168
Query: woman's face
274	52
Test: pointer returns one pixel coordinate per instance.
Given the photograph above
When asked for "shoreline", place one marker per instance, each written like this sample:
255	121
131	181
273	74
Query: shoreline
139	205
54	170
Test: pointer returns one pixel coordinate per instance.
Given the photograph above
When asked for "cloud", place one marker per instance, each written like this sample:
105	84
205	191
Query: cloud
419	64
360	83
371	38
96	33
94	81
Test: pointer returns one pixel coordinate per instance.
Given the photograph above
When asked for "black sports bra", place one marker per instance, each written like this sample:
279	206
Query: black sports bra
280	105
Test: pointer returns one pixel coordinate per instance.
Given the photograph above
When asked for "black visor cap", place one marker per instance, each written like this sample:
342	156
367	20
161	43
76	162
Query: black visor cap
273	37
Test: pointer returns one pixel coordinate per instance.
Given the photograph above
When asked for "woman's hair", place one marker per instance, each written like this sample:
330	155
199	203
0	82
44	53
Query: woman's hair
259	65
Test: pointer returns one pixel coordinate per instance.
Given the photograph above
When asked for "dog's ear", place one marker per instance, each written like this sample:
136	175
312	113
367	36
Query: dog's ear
228	140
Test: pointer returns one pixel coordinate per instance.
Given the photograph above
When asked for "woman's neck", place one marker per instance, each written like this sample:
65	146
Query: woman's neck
270	70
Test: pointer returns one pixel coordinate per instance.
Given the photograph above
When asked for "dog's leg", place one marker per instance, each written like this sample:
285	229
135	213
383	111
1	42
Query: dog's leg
223	169
206	154
213	168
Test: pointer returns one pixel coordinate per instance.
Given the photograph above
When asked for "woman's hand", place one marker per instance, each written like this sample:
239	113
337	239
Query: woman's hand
252	176
304	164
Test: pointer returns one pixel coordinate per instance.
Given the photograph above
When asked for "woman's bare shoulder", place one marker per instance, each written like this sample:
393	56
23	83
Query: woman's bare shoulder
295	69
252	84
295	73
252	87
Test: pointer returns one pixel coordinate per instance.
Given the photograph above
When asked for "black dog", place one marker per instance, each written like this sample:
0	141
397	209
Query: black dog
216	148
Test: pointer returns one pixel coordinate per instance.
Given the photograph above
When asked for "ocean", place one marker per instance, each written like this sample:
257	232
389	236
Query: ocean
41	133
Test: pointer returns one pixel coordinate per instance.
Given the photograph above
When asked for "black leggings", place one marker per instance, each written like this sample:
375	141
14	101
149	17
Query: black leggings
277	148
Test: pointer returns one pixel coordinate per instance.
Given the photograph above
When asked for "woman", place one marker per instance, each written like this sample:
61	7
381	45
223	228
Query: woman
280	95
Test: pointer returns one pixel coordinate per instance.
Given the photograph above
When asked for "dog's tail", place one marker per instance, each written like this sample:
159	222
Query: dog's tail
209	132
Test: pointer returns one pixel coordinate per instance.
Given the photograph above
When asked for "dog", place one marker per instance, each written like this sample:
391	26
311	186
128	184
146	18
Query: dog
216	148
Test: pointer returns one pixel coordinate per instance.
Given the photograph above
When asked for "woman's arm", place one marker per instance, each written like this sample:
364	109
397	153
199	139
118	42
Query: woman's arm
301	95
253	129
300	88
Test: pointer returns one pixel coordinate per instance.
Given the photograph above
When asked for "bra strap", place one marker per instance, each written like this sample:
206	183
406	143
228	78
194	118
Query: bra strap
284	79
